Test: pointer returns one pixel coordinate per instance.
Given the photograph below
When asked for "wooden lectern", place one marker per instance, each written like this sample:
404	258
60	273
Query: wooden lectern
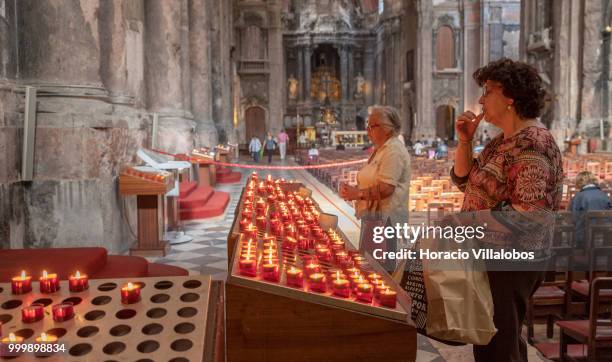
149	185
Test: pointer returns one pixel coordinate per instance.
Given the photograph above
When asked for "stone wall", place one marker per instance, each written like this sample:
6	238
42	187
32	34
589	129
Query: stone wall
101	69
565	42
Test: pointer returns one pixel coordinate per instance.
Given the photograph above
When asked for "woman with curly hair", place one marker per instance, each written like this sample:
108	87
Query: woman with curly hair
520	171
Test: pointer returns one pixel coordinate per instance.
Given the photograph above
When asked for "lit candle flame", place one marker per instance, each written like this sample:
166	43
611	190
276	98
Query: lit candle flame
78	275
23	274
43	337
360	279
387	291
130	286
12	337
338	275
45	275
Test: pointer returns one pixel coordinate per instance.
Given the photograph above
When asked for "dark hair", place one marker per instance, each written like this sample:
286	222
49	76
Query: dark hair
519	81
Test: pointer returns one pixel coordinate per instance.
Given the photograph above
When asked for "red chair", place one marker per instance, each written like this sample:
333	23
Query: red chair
550	299
594	333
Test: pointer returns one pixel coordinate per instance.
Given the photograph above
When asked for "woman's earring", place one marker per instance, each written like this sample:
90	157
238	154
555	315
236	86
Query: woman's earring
509	107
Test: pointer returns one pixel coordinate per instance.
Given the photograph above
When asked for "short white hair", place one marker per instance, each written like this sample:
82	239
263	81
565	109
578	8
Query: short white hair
390	114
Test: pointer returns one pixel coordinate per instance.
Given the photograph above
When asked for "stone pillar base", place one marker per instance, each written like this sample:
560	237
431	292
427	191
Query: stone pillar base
175	134
53	213
206	135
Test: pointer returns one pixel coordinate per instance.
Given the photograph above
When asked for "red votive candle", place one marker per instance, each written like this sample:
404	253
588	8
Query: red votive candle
49	283
248	267
376	283
130	294
353	271
269	239
341	286
260	222
302	243
78	282
374	276
340	255
251	231
346	264
356	279
289	243
317	282
270	253
290	231
247	213
312	268
46	338
270	271
295	277
337	246
388	298
33	313
21	284
244	224
4	344
277	230
380	288
364	292
324	254
63	311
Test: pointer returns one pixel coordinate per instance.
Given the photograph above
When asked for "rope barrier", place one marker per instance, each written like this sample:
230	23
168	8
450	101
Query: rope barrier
263	167
306	167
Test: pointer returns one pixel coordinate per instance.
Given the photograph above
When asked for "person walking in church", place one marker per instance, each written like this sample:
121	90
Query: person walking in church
254	148
283	138
269	146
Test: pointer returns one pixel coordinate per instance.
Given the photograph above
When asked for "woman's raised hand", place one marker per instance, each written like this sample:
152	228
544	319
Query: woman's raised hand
466	125
348	192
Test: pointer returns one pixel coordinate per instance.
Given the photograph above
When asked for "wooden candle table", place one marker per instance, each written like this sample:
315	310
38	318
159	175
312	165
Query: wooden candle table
149	186
207	174
169	323
321	317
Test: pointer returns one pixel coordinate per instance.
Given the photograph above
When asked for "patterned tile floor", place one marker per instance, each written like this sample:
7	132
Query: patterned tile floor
207	253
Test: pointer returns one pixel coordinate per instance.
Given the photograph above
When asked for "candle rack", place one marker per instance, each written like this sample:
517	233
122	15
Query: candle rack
169	322
279	320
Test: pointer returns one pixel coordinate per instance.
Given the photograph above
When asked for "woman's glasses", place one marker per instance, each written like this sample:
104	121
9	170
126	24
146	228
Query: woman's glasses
486	91
372	126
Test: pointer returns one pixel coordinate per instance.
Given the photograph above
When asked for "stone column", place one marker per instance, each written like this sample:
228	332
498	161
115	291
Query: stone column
565	76
307	71
59	42
351	74
472	58
164	74
425	122
368	73
82	139
277	75
300	73
591	66
200	64
114	51
344	71
185	59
